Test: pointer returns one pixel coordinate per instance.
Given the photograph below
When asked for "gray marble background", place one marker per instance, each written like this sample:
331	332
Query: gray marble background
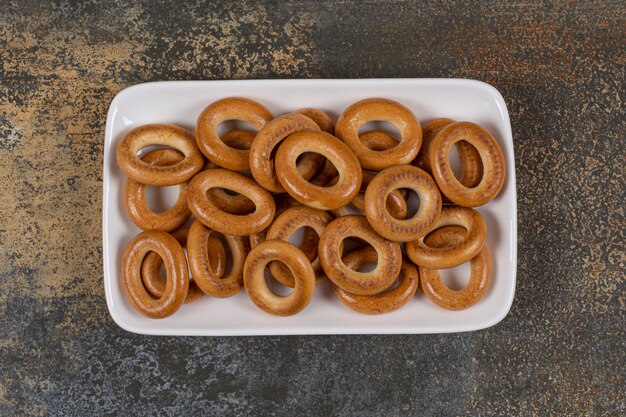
560	67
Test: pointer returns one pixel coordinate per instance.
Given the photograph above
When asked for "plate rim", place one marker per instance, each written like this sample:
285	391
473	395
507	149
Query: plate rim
502	313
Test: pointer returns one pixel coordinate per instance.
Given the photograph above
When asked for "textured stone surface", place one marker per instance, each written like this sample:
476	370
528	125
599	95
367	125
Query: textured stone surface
560	68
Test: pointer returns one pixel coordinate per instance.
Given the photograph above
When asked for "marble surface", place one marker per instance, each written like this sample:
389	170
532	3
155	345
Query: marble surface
560	68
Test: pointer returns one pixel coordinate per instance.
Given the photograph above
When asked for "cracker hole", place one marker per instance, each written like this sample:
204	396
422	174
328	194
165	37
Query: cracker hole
412	202
329	181
456	278
455	162
160	199
297	237
222	198
229	253
381	126
275	286
144	151
352	243
230	125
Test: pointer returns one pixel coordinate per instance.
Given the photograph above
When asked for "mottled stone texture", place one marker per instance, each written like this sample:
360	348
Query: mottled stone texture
560	67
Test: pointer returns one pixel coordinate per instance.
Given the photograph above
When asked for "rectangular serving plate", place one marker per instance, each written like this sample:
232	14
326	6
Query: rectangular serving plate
180	102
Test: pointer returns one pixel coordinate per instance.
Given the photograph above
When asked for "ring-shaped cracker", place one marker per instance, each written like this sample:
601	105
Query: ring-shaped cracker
311	195
492	161
448	257
177	275
471	165
480	274
301	270
368	110
151	267
205	272
219	150
261	161
394	178
362	283
221	221
384	302
137	207
162	135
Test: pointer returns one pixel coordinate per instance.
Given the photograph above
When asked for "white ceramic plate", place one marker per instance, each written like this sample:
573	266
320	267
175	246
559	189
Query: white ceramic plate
180	102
